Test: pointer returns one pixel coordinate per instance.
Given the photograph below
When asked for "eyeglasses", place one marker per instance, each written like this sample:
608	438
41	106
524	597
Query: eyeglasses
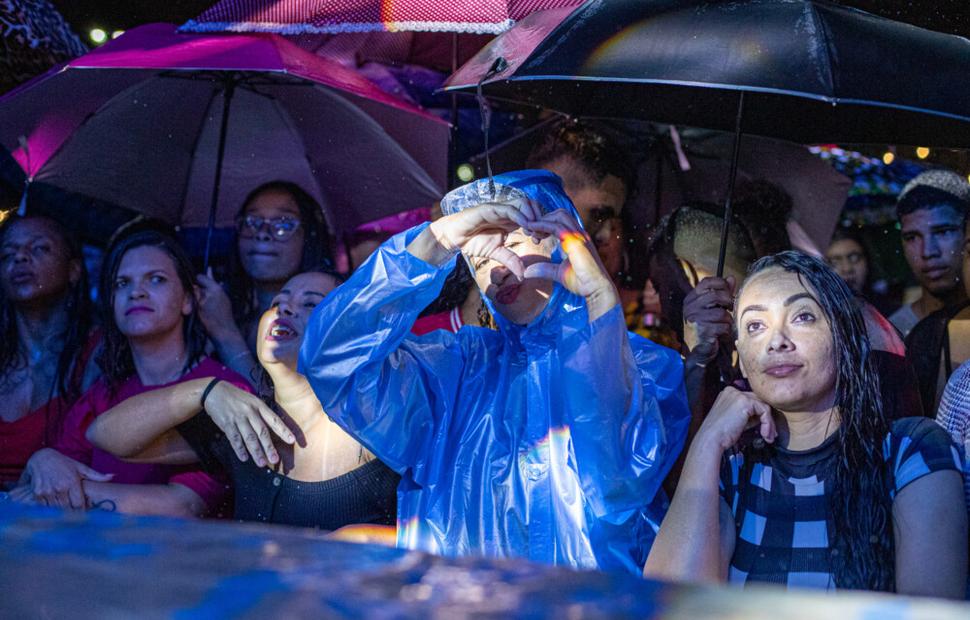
280	228
837	260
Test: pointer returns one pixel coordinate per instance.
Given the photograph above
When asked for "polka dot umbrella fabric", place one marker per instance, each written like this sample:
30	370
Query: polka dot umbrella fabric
342	16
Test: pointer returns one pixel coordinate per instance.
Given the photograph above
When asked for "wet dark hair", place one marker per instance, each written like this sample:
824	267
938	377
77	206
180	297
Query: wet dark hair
588	145
454	291
930	198
316	248
860	506
67	382
115	359
765	209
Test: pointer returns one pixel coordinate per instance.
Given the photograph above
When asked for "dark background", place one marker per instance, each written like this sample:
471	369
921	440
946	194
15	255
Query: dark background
951	16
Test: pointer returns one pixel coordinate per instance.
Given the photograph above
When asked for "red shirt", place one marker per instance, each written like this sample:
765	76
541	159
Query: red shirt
22	437
98	399
449	321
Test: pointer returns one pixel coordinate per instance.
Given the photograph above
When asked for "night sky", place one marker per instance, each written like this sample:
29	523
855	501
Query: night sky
945	15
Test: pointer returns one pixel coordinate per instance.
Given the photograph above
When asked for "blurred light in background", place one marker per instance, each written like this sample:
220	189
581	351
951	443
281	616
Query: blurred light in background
465	173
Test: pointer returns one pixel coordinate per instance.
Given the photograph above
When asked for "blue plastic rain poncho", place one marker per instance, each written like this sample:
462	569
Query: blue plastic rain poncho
547	441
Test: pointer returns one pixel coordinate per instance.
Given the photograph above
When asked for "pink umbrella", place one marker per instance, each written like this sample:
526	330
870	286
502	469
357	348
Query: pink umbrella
182	127
344	16
439	34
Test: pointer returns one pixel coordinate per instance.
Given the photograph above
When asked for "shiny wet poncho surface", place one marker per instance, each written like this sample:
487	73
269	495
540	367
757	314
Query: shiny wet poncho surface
56	564
547	441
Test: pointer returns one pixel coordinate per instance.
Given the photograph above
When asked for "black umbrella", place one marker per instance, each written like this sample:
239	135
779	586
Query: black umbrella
802	70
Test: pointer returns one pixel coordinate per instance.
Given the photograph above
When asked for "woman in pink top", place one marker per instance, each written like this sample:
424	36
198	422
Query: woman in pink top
152	338
45	345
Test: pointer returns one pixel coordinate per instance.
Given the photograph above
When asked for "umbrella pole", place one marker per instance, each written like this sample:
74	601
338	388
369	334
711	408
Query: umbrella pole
230	88
453	142
725	226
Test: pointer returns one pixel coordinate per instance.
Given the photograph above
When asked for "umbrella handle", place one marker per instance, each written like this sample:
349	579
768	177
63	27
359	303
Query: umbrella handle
725	226
498	66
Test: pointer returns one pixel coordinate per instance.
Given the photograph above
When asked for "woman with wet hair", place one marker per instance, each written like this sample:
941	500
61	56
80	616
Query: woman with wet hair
824	490
45	339
281	232
153	338
315	475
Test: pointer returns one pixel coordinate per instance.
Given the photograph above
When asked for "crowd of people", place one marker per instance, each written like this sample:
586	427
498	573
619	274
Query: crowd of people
526	375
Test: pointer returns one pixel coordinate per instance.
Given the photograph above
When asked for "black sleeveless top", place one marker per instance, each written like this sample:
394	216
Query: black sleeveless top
367	494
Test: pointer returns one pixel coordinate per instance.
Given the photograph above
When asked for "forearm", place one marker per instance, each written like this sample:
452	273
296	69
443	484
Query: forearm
131	426
354	335
427	247
931	561
232	350
358	352
169	500
602	301
688	546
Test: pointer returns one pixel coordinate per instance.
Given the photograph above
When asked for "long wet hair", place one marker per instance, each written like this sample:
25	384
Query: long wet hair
860	506
116	360
67	381
317	253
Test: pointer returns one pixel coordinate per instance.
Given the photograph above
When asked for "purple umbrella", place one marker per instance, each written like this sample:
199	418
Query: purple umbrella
182	127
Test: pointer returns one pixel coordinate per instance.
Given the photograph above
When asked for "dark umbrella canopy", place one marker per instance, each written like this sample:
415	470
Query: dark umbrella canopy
810	71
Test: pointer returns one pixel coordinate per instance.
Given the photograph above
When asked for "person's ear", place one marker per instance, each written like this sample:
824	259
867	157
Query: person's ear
188	304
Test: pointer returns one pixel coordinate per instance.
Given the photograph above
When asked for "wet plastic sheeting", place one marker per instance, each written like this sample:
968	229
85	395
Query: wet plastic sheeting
103	565
55	564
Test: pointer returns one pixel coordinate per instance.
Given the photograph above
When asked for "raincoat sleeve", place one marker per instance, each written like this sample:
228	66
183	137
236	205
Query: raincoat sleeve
627	412
386	387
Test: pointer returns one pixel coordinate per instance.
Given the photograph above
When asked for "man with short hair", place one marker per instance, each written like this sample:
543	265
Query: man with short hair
598	177
932	211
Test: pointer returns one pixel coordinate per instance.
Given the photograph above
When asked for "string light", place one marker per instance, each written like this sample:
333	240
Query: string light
465	173
98	35
888	157
117	33
922	152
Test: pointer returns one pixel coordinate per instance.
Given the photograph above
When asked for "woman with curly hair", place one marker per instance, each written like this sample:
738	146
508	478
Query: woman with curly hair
281	232
825	491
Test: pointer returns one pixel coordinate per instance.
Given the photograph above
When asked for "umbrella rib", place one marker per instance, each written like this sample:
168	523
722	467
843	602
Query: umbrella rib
825	44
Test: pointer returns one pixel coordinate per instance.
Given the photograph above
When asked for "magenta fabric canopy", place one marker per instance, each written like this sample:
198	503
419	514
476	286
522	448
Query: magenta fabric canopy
137	123
343	16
